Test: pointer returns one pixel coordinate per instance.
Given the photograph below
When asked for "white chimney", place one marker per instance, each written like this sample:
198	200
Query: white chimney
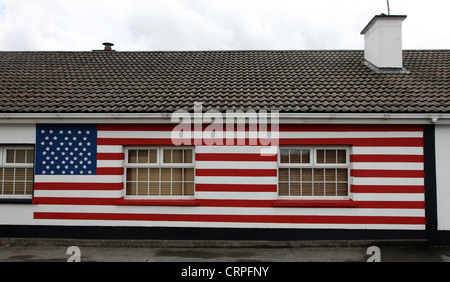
383	43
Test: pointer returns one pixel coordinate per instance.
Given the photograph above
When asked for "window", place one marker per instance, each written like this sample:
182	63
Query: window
16	172
160	172
313	172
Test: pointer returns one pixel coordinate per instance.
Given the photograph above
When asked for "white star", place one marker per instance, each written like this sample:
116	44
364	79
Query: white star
79	131
69	131
50	131
61	132
42	131
87	132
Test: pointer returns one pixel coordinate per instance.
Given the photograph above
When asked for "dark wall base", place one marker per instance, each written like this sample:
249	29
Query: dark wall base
181	233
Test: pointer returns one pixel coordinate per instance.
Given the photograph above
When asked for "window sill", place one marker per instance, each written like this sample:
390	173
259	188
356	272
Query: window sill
316	203
15	201
165	202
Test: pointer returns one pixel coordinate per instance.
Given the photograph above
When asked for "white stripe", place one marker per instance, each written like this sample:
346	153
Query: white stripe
235	180
237	195
389	166
387	150
359	134
235	165
77	194
142	223
110	163
256	134
234	210
414	197
230	149
78	178
109	149
387	181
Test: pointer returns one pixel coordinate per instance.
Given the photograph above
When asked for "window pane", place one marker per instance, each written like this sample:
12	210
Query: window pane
189	174
295	189
167	156
187	156
330	156
295	156
320	156
142	156
29	188
8	188
307	189
284	156
8	174
153	188
306	174
132	156
177	174
30	156
10	156
166	174
188	188
142	174
330	189
284	174
177	156
131	188
19	188
142	188
305	156
342	175
131	174
165	188
341	157
283	189
319	189
154	174
342	189
319	175
177	188
294	175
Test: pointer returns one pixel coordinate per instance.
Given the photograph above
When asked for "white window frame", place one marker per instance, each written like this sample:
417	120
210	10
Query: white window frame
4	164
313	164
159	164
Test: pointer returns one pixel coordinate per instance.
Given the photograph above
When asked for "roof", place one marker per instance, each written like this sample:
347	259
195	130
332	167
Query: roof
162	82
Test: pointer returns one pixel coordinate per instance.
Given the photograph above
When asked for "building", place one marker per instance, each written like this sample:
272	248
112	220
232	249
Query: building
337	144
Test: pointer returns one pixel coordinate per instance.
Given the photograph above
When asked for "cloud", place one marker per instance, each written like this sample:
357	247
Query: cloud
210	24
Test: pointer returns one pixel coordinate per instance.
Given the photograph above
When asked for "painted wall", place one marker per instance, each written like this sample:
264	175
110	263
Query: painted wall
443	175
386	171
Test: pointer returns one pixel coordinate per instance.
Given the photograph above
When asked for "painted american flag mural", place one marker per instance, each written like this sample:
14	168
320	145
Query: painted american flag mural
235	186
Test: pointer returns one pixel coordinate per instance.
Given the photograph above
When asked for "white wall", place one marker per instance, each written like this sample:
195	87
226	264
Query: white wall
17	133
443	176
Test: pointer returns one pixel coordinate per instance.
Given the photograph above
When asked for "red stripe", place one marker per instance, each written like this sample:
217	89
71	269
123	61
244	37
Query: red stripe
236	172
77	186
391	205
110	170
387	189
387	158
389	142
73	201
282	127
110	156
235	157
386	173
235	188
235	218
225	203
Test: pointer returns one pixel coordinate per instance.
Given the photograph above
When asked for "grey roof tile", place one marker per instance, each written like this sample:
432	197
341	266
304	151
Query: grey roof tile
288	81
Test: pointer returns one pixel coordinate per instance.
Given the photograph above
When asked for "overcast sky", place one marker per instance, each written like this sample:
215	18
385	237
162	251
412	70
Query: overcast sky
153	25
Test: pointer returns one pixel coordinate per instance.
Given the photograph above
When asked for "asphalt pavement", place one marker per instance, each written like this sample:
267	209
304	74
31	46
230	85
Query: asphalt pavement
63	250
